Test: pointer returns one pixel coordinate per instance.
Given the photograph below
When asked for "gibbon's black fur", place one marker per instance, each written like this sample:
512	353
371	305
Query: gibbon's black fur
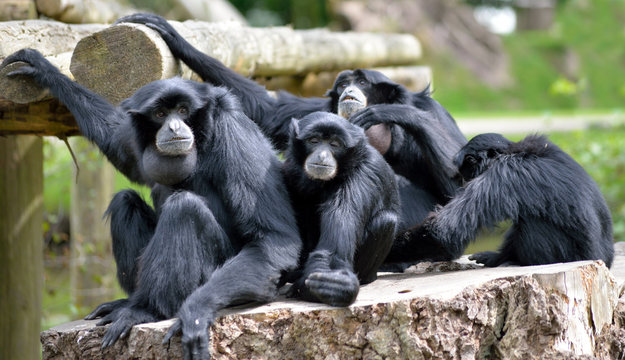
558	213
416	135
346	204
222	230
429	128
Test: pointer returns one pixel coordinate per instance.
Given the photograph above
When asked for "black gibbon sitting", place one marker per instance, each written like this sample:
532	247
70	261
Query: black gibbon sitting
557	211
222	230
346	203
416	135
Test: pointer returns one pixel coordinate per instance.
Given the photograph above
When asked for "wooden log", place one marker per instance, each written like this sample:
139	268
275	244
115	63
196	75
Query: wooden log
248	51
21	224
83	11
21	112
49	37
22	89
117	61
54	40
415	78
27	115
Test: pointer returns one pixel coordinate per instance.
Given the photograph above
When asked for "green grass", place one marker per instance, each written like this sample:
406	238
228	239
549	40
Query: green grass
586	35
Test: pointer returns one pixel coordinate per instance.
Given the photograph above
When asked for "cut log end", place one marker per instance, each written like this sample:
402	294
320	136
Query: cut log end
111	68
20	89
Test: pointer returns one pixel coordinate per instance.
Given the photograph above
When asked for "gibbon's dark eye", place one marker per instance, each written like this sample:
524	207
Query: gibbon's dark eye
160	114
362	82
470	159
183	110
342	85
335	143
313	140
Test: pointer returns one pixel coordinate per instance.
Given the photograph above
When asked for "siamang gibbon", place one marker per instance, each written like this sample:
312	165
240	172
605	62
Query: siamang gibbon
416	135
346	204
222	229
557	212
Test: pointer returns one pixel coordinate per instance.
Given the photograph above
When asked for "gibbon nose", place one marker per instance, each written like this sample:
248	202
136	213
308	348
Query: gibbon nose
325	155
175	125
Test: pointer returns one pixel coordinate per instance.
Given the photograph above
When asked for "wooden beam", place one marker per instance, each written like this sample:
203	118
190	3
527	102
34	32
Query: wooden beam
44	118
115	61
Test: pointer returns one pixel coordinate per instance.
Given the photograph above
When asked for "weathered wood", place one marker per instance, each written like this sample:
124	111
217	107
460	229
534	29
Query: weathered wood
21	224
17	10
249	51
415	78
49	37
117	61
50	118
56	41
558	311
92	267
20	89
45	118
83	11
104	64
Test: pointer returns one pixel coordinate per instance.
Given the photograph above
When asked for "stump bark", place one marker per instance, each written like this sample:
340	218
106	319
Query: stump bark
451	310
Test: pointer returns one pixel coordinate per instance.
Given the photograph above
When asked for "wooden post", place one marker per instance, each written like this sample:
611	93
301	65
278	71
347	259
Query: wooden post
21	259
92	268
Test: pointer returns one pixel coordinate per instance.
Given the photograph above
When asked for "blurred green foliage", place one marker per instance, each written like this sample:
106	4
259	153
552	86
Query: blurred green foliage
600	152
578	63
301	14
59	169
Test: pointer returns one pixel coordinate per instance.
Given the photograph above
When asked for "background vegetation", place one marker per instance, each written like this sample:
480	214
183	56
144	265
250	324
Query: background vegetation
588	33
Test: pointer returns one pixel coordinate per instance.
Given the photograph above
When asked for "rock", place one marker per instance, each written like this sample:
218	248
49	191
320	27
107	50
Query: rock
454	310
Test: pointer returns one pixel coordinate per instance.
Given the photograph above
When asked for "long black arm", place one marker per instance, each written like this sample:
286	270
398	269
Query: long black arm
431	146
98	120
513	187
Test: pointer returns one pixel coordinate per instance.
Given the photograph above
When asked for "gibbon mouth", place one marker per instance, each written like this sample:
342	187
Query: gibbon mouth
319	165
175	140
350	99
175	146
